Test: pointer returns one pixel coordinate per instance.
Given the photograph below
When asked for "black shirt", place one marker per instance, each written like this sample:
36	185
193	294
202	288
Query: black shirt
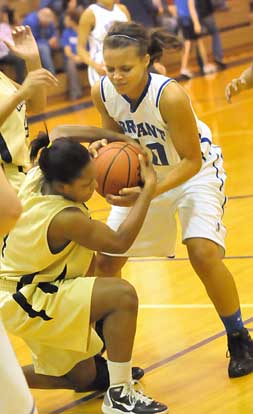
204	7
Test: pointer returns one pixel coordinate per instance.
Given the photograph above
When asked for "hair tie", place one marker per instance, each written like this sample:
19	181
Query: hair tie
122	35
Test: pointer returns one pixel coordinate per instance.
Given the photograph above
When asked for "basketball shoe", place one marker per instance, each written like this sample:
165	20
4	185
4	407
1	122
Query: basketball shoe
240	347
123	398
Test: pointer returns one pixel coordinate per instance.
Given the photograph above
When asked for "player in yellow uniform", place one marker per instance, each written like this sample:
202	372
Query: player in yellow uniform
45	297
15	98
12	381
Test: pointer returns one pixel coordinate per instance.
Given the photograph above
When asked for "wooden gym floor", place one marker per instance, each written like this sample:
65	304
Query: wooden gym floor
180	341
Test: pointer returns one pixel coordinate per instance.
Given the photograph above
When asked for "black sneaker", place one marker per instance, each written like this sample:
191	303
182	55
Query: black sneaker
240	347
123	398
101	382
221	65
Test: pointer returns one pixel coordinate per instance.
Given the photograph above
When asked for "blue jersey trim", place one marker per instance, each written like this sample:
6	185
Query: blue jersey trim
206	140
160	91
134	105
102	92
217	172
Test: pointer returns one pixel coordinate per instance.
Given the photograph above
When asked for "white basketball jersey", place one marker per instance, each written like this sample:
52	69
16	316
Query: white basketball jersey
103	20
144	122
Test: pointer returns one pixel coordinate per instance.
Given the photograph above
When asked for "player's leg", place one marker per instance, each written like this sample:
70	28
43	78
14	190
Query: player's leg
108	266
200	213
115	301
206	260
15	395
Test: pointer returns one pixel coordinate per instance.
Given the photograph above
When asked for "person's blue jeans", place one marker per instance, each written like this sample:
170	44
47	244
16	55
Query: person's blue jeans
209	26
46	55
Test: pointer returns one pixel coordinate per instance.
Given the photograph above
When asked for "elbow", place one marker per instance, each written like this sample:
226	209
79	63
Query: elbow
195	166
15	211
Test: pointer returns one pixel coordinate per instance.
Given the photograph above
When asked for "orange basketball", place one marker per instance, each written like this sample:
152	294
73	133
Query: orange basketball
117	166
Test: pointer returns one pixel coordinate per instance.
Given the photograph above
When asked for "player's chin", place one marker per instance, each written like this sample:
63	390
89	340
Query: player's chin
86	197
121	88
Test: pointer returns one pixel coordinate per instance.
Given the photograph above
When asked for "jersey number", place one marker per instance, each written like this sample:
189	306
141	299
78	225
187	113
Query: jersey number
158	153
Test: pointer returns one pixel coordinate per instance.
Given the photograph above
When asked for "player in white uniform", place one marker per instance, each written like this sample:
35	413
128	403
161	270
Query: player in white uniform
93	26
156	111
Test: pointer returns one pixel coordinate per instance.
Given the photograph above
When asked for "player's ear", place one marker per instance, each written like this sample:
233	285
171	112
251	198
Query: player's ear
146	60
61	188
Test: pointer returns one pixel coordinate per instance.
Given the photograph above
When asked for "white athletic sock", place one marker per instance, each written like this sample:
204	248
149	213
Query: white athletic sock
119	372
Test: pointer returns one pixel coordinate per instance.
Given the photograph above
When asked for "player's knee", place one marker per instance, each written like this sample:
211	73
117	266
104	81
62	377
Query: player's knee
203	255
127	296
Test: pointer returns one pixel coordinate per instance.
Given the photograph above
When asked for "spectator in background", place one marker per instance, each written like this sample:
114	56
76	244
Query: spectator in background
6	56
42	24
142	11
69	44
93	26
55	5
205	12
191	29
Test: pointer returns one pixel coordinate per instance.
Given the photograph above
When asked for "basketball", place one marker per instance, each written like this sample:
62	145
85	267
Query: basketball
117	166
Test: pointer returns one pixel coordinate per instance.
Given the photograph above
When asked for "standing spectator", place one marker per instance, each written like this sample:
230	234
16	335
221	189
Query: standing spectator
142	11
6	56
94	24
191	28
205	12
44	31
69	43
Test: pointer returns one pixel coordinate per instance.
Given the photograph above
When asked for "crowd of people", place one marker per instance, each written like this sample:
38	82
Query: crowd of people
75	30
53	298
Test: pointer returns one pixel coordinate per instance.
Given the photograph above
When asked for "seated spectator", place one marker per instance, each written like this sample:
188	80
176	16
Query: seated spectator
191	29
43	28
6	56
55	5
69	43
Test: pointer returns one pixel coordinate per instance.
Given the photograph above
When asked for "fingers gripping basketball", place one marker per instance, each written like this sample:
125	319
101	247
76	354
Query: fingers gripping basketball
117	166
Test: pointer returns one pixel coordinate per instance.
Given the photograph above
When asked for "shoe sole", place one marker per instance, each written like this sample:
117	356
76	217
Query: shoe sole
110	410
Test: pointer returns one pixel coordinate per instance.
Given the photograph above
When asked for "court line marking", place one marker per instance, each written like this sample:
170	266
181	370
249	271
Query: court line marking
151	367
186	306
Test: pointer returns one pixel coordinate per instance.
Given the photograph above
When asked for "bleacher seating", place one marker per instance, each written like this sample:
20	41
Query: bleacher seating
236	31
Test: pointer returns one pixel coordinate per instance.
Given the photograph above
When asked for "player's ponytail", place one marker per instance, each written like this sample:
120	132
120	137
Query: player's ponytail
159	39
37	144
60	160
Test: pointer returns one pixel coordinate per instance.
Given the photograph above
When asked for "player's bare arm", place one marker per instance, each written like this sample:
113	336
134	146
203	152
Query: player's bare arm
177	113
72	225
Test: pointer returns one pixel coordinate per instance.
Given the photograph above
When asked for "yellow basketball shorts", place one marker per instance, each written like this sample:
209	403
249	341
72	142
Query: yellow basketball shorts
53	321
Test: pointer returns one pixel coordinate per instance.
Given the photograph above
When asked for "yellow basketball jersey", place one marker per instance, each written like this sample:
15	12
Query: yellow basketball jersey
14	131
26	257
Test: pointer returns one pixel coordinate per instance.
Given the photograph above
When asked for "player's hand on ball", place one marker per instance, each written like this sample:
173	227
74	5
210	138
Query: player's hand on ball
148	174
95	146
126	197
234	88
